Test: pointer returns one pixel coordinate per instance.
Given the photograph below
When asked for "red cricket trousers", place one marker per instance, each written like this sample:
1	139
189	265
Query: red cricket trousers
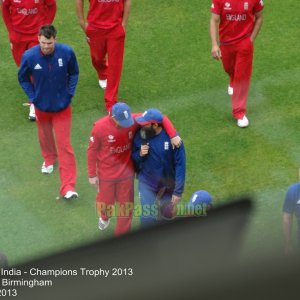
115	199
108	43
54	138
19	43
237	62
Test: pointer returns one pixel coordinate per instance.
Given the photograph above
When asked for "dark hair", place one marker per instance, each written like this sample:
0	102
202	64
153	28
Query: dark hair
48	31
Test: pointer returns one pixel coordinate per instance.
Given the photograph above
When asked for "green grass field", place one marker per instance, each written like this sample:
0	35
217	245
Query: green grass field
167	65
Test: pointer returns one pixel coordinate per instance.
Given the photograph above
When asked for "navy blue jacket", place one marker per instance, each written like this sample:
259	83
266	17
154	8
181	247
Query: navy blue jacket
163	166
49	80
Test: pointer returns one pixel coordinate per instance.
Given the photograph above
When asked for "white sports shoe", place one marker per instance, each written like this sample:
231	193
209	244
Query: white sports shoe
71	195
31	115
230	90
103	224
243	122
46	170
103	83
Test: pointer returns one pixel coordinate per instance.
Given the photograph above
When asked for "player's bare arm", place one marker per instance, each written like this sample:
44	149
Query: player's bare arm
127	8
257	25
80	14
214	36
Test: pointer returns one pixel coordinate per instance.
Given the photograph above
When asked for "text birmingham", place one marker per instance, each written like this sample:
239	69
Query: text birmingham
24	282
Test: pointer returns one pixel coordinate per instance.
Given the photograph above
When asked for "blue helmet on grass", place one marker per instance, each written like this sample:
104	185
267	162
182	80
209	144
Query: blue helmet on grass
199	204
201	197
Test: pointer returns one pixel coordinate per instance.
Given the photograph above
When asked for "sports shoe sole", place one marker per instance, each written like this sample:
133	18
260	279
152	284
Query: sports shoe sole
72	197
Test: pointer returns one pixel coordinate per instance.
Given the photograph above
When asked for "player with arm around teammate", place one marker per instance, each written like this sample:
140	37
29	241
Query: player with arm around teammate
110	167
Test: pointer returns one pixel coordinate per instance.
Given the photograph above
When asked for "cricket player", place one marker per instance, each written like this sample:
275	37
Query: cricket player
291	206
54	72
23	19
110	167
161	169
234	25
105	28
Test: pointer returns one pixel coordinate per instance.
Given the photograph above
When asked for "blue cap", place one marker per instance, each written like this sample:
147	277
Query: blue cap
121	112
201	197
152	115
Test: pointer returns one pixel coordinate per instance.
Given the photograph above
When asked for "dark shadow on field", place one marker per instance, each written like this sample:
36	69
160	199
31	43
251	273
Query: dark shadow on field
186	258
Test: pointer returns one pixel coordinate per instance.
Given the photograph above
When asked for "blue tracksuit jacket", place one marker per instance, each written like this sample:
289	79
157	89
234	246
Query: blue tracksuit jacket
163	166
49	80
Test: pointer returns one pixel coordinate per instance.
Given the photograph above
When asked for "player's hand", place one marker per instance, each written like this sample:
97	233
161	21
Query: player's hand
175	199
94	181
176	141
144	150
216	52
83	25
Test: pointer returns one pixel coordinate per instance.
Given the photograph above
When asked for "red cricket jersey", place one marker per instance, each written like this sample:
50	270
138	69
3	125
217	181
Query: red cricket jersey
109	150
27	16
236	18
105	14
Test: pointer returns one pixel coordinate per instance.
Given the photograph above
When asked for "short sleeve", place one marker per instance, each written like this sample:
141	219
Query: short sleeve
258	6
215	7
